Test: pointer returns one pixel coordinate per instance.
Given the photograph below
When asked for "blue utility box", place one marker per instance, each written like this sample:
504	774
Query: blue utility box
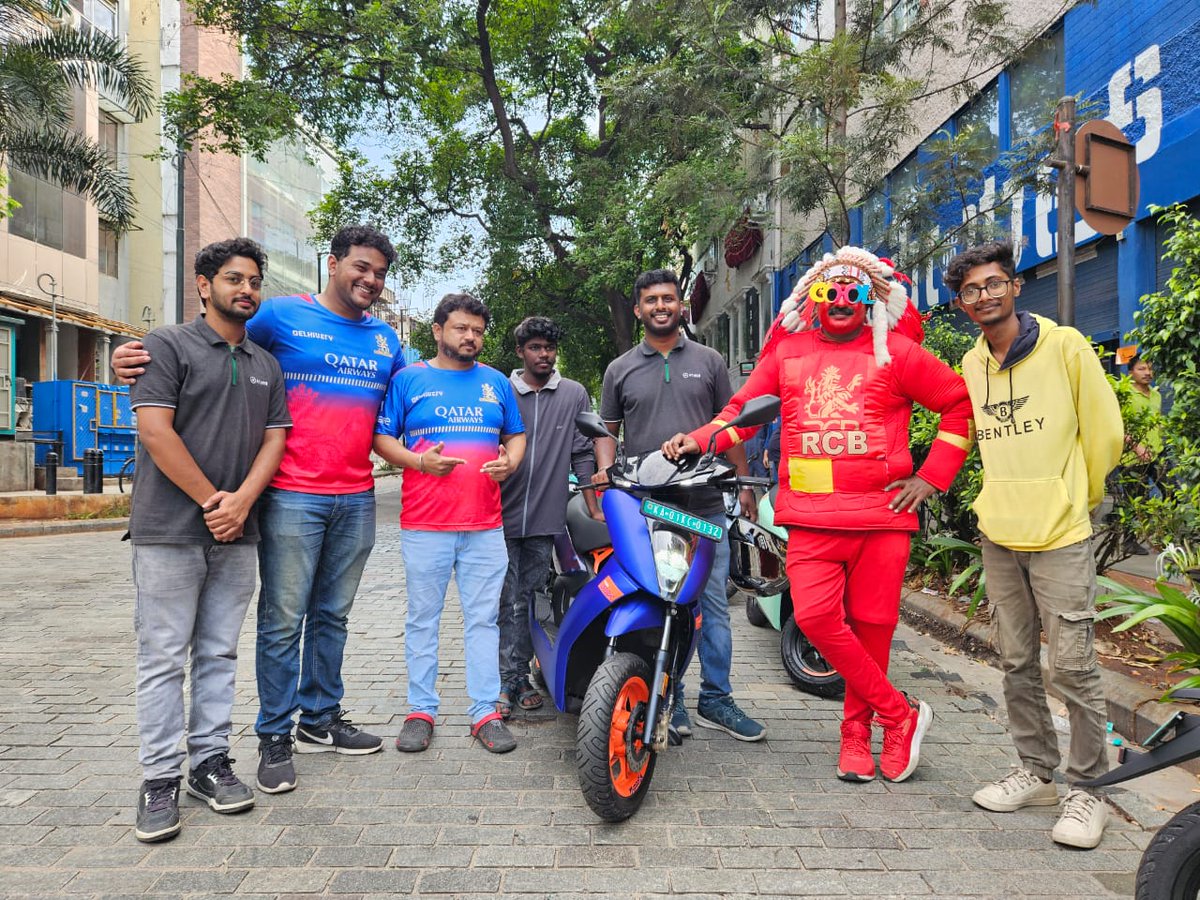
90	416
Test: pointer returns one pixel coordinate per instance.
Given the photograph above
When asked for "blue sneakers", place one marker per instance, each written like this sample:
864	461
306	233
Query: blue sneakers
723	714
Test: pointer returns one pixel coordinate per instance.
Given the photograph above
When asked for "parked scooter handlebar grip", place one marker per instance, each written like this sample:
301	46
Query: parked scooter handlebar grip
753	481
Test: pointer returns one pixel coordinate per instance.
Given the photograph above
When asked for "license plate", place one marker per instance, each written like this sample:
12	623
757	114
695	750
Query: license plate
680	519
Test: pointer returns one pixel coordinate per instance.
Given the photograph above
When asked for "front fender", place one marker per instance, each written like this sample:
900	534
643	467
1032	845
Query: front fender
635	613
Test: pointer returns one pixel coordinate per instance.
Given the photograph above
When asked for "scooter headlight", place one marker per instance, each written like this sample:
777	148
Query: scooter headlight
672	559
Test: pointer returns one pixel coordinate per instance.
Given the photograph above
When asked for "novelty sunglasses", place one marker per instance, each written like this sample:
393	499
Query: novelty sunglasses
829	291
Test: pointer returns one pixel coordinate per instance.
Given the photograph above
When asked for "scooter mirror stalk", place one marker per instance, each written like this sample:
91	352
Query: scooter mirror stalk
756	411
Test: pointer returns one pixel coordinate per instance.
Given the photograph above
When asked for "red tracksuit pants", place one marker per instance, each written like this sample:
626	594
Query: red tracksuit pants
846	596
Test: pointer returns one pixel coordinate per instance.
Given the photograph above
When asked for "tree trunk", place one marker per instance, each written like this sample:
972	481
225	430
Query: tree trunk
621	308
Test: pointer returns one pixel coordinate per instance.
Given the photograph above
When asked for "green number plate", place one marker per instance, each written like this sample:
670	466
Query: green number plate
680	519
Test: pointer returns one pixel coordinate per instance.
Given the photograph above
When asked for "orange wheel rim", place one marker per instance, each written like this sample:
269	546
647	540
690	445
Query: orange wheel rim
627	755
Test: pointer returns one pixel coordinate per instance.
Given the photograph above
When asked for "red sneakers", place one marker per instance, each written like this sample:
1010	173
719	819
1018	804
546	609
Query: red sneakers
902	744
855	762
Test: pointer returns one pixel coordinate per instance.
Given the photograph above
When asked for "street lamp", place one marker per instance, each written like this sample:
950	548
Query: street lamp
53	293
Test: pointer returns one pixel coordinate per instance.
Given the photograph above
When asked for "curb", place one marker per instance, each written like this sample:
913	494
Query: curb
1133	708
40	528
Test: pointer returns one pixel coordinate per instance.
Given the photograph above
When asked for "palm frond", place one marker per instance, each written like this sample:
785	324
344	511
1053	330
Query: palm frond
97	60
75	163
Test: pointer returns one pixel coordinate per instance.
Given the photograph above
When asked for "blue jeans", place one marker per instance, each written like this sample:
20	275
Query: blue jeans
189	597
478	561
716	638
311	558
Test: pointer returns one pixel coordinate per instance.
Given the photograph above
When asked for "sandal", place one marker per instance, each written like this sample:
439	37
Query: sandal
528	697
504	705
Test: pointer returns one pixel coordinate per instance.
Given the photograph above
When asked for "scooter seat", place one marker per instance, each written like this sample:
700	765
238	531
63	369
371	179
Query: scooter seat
586	533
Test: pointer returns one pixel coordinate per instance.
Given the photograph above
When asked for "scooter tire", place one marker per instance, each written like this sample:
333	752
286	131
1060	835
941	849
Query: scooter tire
614	768
1170	868
755	614
805	666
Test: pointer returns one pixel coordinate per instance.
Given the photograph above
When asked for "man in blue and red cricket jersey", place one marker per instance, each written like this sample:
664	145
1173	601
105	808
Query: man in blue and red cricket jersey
462	435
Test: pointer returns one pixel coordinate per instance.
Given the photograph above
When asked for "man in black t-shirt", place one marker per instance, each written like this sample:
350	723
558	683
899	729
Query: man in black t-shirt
212	420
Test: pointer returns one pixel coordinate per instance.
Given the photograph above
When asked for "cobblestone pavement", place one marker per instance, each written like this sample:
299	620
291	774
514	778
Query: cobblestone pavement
722	818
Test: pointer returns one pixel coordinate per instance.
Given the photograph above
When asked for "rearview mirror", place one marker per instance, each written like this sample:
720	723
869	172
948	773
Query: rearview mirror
592	425
756	411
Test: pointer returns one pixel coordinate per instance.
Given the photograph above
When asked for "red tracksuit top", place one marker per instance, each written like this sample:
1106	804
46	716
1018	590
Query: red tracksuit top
845	427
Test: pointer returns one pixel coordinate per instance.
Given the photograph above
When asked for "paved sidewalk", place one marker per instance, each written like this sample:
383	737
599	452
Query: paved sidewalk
722	818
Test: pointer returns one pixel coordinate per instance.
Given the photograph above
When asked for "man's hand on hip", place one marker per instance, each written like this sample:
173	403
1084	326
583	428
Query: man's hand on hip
913	491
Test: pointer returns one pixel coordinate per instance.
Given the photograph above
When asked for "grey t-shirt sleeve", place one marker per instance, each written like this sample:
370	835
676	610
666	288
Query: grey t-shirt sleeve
162	380
583	461
277	411
610	401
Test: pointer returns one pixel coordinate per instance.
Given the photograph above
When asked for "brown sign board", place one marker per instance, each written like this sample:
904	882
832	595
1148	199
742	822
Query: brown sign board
1106	195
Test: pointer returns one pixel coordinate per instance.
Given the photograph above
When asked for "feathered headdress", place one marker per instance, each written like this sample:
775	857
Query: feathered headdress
892	308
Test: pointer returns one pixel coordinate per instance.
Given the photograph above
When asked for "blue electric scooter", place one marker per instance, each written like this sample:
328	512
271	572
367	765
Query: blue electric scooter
620	621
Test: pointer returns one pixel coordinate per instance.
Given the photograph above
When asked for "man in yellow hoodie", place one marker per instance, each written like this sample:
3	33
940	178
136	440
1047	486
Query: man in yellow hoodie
1049	431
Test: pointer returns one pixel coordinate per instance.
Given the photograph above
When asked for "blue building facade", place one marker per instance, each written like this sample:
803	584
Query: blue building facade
1137	63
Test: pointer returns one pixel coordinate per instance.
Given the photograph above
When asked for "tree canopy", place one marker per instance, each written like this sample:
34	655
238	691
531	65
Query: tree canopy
563	146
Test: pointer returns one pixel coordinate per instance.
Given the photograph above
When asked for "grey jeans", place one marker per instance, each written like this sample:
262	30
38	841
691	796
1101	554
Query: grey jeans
528	569
189	597
1054	590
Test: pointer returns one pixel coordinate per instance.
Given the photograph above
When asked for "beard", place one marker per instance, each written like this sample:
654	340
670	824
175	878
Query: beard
457	355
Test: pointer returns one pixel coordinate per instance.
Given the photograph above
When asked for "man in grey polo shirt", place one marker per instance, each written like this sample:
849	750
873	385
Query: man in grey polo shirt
664	385
212	419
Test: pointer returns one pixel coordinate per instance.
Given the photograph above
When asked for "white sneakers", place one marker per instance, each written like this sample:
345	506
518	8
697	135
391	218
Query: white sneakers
1081	823
1016	790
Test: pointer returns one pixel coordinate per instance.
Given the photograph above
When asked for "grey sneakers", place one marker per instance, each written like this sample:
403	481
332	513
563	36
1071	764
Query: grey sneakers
213	782
157	810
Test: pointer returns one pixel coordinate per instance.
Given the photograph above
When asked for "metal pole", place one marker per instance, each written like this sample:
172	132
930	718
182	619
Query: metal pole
180	157
53	292
1064	126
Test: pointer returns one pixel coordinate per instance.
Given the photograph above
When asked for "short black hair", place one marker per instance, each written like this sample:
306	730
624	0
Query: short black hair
210	259
1134	360
537	327
1000	252
362	236
653	277
461	303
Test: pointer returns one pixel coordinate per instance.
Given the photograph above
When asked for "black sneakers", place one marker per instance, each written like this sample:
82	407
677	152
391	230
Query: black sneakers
213	782
157	810
336	736
276	773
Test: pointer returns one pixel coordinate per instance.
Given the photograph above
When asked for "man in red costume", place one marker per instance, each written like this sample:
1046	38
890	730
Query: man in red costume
847	492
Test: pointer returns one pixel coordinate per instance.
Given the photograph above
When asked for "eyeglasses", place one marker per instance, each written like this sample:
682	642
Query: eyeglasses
829	291
996	288
234	279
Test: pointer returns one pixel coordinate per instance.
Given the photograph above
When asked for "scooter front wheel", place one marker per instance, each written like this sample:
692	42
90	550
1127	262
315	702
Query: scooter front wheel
615	764
1170	868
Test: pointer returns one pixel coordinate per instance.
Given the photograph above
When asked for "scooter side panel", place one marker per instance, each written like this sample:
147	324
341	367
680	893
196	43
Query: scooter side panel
594	599
631	538
633	613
